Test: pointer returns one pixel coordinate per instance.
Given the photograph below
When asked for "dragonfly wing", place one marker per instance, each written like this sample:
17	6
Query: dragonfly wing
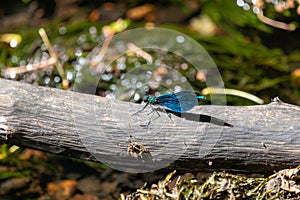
187	100
169	101
178	102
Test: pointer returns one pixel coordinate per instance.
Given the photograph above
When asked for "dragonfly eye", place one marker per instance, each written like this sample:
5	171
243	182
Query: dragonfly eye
146	98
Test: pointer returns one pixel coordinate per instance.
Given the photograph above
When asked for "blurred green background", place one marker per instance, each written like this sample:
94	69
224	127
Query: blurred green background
251	55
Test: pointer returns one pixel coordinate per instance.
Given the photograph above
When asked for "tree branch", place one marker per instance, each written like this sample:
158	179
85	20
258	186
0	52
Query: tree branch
262	138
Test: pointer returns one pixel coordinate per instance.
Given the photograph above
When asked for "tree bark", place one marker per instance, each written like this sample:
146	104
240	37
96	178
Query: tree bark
253	139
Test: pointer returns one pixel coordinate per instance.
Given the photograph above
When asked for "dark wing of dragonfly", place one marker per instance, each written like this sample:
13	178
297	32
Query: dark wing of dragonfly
179	102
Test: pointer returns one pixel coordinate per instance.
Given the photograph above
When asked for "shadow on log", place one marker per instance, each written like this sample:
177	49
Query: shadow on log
199	118
261	138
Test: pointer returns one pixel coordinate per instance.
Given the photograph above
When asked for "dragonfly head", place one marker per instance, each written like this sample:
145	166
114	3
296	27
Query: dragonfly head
149	99
146	98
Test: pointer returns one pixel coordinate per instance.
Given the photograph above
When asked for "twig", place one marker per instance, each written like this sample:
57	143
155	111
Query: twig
274	23
58	65
96	61
108	32
140	52
12	71
209	90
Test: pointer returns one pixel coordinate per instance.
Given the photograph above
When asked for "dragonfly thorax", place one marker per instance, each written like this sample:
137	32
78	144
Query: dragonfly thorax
150	99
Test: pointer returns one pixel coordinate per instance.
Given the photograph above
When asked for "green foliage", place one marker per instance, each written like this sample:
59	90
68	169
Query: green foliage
232	19
217	186
244	57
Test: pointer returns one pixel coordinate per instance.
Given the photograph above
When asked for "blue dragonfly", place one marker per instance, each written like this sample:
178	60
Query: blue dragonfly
179	102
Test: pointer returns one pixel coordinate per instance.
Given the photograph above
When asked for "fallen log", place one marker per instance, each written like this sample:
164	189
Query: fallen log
251	139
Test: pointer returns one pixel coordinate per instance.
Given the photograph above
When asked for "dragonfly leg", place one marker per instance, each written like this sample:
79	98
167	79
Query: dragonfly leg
152	111
141	109
169	115
158	115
